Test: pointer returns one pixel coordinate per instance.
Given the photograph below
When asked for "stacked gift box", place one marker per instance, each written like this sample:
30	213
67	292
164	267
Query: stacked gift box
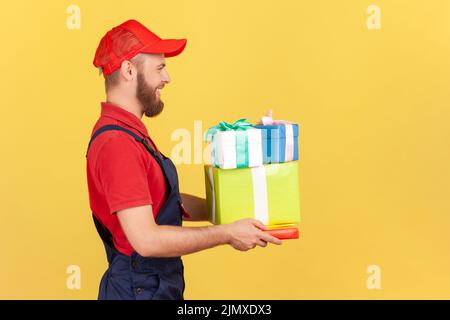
254	174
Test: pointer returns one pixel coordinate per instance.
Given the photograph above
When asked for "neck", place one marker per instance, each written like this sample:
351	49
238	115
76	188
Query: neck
130	104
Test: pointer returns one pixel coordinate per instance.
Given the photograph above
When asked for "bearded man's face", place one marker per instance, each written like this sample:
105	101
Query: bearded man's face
149	97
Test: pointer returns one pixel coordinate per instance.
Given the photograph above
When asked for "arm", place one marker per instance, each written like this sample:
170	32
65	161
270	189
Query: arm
121	172
151	239
195	206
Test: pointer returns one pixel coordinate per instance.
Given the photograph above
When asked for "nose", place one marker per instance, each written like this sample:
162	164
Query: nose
165	77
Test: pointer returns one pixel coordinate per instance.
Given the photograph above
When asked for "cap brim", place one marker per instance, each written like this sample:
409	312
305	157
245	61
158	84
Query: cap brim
168	47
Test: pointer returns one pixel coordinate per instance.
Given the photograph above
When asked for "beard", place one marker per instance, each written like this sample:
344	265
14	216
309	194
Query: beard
146	95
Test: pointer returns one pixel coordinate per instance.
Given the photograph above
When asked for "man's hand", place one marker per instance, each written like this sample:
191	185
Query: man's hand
246	234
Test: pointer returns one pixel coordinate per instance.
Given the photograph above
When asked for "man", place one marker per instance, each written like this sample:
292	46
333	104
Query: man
133	188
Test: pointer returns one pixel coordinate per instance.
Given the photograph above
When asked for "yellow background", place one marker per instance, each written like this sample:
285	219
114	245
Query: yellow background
375	154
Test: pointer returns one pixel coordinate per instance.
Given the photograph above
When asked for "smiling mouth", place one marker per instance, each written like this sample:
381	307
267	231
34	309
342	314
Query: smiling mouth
158	91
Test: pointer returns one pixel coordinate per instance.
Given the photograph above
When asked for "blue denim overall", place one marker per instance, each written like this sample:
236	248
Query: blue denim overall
137	277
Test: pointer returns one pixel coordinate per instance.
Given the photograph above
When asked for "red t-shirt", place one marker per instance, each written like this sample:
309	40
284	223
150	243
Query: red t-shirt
121	173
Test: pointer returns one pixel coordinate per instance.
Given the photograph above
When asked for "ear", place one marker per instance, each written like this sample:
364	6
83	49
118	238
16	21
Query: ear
128	70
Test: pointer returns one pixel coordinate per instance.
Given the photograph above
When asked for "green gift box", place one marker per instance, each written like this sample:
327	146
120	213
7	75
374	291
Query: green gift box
268	193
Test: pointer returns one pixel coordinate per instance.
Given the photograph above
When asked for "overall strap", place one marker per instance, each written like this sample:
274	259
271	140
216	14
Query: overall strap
110	127
104	233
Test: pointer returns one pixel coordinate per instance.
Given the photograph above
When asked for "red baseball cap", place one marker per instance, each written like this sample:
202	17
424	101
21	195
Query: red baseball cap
129	39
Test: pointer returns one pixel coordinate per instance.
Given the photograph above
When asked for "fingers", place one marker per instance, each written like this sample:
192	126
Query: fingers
263	235
268	238
259	224
261	243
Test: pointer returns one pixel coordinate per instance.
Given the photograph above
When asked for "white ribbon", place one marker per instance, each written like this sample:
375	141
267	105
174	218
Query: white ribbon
260	199
289	147
225	148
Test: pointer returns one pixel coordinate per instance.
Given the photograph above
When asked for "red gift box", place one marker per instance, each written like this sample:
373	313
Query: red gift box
284	233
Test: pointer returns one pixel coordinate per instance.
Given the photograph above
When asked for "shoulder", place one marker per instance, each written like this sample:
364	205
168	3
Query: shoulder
116	141
113	143
120	155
